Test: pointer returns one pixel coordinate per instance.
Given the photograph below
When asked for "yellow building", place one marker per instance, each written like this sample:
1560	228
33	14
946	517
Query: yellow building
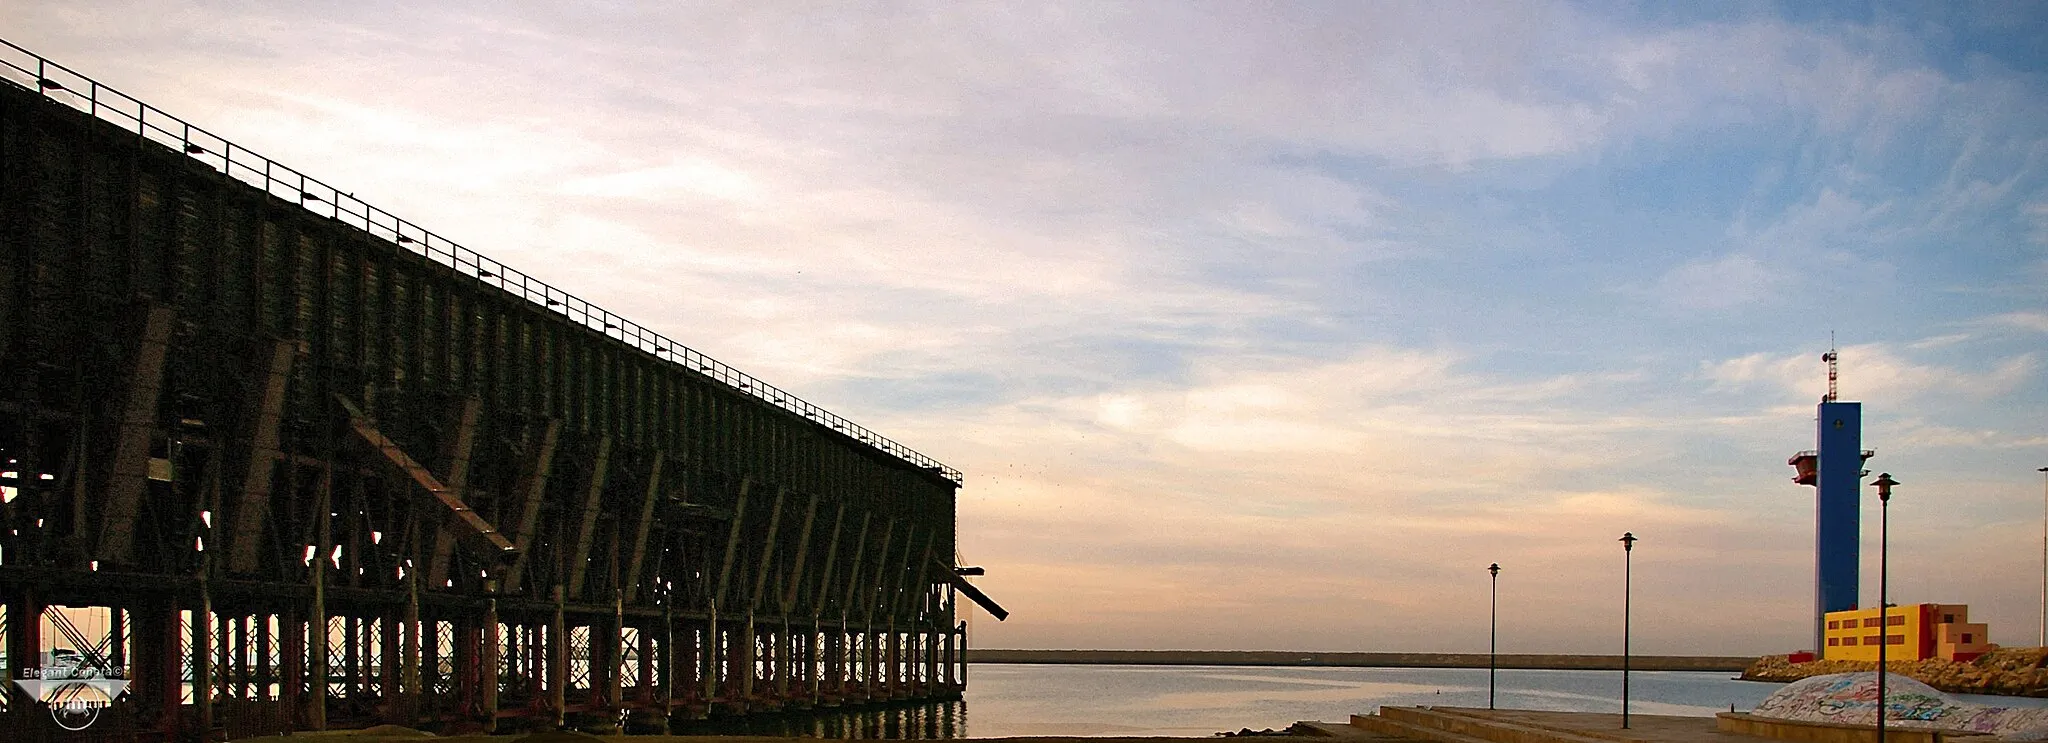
1916	632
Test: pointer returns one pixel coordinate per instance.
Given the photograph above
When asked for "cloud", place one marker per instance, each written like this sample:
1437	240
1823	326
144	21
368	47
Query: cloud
1252	326
1870	371
1733	280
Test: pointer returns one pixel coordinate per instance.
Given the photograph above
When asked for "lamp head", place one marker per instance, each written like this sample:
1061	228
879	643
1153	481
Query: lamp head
1493	569
1884	486
1628	541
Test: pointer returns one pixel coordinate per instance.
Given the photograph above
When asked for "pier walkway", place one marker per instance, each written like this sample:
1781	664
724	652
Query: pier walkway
1474	725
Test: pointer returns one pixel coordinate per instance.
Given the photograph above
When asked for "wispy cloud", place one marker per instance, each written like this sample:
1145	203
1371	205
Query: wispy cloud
1268	324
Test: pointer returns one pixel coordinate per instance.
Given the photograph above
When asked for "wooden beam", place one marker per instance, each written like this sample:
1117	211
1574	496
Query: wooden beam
532	490
474	525
266	406
458	453
636	555
586	520
874	583
831	561
732	542
767	550
129	474
803	549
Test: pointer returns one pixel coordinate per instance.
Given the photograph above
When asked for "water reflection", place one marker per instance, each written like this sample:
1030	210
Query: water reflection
908	721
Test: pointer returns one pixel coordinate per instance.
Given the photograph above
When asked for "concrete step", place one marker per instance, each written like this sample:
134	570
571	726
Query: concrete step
1344	731
1393	728
1581	731
1474	724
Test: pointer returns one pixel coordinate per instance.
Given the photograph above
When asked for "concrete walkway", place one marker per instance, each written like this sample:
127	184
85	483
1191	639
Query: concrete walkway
1477	725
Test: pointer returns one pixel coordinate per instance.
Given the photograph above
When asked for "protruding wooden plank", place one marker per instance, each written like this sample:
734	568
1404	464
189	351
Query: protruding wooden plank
532	491
949	574
266	406
459	447
130	470
642	526
586	518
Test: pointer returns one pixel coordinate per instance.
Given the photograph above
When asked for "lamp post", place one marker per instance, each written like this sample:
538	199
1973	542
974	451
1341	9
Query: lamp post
1492	633
1628	548
2044	557
1884	627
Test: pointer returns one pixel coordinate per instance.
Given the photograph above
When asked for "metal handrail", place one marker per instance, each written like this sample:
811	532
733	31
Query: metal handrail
64	85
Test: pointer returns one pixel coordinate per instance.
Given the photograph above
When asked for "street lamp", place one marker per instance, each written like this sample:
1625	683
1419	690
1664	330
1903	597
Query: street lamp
1884	627
2044	557
1492	633
1628	548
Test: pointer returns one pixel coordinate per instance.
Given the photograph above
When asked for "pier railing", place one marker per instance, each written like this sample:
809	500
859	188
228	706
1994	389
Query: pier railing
62	84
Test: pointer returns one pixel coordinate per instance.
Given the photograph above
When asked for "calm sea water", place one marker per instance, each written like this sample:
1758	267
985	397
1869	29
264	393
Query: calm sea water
1200	701
1005	700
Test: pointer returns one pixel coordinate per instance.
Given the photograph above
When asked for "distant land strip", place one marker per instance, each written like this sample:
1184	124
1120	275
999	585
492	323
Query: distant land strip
1360	660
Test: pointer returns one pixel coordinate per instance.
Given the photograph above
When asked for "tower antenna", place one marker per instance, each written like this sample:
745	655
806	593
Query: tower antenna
1831	357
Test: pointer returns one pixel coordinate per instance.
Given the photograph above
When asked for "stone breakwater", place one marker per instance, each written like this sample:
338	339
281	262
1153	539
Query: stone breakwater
2019	672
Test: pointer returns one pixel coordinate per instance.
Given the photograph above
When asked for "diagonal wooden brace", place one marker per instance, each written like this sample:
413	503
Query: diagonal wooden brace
586	519
473	526
266	410
130	471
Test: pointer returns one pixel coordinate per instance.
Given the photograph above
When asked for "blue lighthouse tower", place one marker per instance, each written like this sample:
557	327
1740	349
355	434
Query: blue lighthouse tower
1835	468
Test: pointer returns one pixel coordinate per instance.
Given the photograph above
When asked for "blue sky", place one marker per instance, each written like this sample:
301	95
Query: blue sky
1263	325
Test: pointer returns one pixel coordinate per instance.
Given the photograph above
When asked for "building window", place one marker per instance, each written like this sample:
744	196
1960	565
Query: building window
1836	641
1834	624
1969	638
1873	640
1848	641
1898	620
1948	619
1870	621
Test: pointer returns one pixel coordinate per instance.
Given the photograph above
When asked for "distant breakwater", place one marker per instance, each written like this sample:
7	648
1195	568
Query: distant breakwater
1361	660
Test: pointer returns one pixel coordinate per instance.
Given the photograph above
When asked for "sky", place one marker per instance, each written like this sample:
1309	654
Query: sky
1263	325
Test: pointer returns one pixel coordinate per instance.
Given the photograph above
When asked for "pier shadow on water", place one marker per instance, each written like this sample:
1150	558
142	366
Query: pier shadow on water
903	721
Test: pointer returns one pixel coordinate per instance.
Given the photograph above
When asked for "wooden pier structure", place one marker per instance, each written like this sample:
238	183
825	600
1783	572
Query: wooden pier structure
275	459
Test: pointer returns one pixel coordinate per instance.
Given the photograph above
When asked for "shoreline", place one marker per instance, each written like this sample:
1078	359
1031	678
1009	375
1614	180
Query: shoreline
1517	661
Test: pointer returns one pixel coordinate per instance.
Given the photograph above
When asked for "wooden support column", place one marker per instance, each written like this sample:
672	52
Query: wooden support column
457	454
129	473
532	491
709	652
157	668
316	616
487	662
24	643
390	666
743	662
665	687
586	519
408	696
266	409
202	657
558	662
